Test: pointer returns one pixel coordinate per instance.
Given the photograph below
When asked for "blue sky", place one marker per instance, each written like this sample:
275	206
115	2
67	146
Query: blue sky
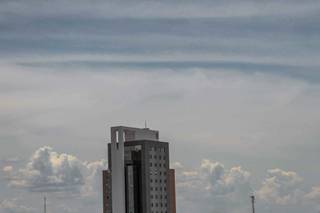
233	85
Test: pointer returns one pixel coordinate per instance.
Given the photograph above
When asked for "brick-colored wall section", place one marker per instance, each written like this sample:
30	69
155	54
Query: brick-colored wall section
172	191
106	194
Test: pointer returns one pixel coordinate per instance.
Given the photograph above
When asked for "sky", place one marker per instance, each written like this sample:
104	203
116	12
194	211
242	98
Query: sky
234	86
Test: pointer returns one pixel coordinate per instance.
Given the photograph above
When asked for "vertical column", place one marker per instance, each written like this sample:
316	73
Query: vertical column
172	191
117	173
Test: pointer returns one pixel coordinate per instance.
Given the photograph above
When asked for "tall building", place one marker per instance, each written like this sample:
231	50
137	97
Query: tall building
139	179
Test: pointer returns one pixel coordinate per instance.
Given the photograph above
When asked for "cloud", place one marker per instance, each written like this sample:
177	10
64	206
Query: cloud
222	181
213	187
49	171
14	206
163	8
313	195
281	187
7	169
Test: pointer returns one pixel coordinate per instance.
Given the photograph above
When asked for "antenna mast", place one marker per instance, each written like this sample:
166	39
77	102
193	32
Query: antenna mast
44	204
252	202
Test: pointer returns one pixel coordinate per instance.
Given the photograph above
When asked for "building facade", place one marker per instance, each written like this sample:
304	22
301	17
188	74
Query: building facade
140	180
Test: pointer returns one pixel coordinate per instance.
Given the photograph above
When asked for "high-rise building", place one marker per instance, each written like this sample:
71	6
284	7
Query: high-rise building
139	179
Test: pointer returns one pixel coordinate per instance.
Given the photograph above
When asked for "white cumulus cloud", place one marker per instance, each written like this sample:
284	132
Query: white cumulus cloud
218	189
281	187
48	171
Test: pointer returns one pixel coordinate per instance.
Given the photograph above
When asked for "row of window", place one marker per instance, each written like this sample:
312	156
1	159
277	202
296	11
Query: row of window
157	157
157	164
159	205
160	196
158	173
160	149
158	188
156	180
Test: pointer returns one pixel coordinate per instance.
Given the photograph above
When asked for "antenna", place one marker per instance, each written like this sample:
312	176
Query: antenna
145	124
252	202
44	204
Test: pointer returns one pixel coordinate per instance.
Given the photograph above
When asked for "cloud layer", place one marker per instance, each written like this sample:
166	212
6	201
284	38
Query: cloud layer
209	187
